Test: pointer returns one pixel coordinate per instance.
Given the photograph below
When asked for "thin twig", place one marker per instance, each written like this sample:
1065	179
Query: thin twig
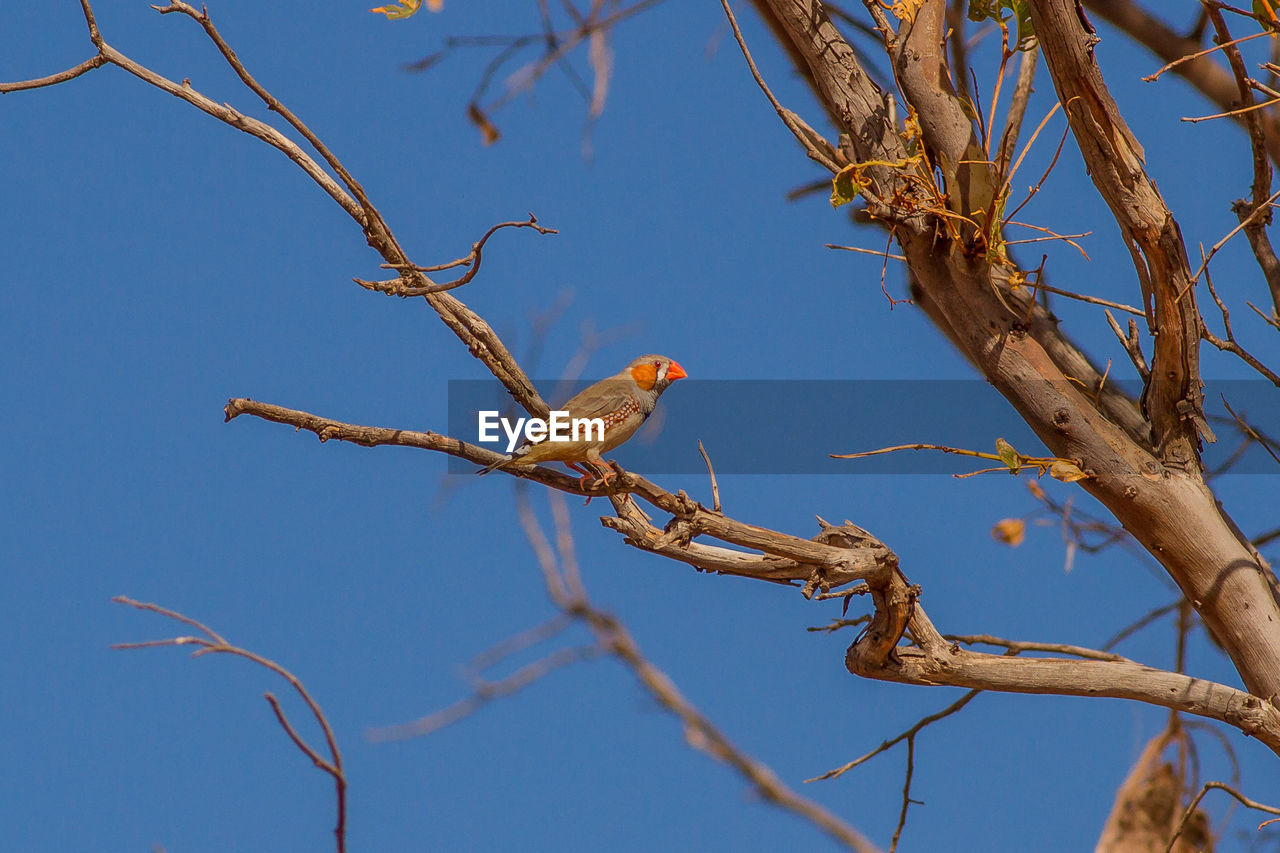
1264	538
398	286
1231	345
1244	223
96	61
1045	239
1220	786
715	487
1132	345
1251	432
1067	238
480	339
906	793
518	643
1017	107
836	624
1273	320
1256	232
1093	300
1020	646
1129	630
214	643
1151	78
909	733
1008	179
876	252
818	148
1231	113
613	637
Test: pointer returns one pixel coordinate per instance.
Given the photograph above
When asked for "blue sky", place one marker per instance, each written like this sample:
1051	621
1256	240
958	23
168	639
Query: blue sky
159	263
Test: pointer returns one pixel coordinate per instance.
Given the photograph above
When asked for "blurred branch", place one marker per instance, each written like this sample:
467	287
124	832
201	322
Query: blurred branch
564	587
485	693
1148	801
556	42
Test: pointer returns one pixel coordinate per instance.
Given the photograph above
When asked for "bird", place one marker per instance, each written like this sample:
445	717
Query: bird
622	402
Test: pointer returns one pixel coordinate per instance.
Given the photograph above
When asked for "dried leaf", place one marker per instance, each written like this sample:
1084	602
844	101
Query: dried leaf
1036	491
1010	531
407	8
1067	472
601	59
905	10
488	131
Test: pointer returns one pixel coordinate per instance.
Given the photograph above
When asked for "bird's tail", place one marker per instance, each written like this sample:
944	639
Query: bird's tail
514	459
496	465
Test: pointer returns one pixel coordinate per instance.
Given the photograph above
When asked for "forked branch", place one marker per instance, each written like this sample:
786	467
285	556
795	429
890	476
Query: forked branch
214	643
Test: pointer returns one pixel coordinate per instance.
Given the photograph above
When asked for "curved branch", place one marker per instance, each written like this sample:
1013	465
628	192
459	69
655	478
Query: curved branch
934	661
402	287
480	339
96	61
839	555
213	643
1219	786
823	563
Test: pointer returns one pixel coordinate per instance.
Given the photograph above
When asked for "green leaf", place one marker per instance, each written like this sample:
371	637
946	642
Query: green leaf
1008	455
1265	12
979	10
844	186
993	10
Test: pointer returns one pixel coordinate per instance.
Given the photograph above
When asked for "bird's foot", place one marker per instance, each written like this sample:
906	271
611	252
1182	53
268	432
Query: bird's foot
606	472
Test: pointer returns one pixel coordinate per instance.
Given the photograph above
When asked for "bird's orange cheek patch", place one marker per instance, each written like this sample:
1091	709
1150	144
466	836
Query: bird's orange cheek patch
646	375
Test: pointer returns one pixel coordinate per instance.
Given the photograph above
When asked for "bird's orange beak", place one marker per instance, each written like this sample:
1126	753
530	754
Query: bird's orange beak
674	372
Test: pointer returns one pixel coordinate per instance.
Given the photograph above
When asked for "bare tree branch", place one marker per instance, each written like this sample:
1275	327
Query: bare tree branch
1218	786
214	643
933	661
95	61
894	741
1256	229
1211	79
1016	646
559	569
1160	498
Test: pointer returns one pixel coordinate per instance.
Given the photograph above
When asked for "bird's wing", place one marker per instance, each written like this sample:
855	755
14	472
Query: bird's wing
597	401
